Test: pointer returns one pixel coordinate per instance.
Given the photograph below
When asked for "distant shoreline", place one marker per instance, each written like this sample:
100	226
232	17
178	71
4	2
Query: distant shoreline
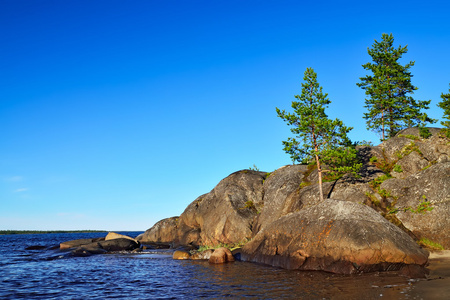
5	232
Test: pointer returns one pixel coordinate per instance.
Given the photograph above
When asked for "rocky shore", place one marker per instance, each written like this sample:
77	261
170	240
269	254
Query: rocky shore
113	242
376	221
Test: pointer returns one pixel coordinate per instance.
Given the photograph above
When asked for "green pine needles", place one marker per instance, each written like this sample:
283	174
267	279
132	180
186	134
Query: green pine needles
317	138
445	105
390	108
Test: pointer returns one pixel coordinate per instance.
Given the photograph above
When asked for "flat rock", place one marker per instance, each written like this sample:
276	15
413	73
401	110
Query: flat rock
78	243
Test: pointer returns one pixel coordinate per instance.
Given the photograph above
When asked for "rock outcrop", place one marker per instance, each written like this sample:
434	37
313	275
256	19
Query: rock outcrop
432	187
398	178
335	236
226	214
281	194
163	232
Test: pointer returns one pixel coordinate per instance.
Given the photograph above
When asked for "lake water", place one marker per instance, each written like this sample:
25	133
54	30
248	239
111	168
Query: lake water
152	274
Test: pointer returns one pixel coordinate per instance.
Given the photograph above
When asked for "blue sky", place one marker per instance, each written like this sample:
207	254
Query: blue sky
116	114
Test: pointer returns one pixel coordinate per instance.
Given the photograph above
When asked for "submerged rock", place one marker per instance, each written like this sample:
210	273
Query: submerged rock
120	244
36	247
112	242
335	236
78	243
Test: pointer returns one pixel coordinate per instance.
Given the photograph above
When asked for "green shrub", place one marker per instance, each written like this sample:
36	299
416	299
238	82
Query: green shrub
379	180
424	132
410	136
398	169
254	168
364	143
421	208
249	205
410	148
373	199
384	193
304	184
430	244
373	159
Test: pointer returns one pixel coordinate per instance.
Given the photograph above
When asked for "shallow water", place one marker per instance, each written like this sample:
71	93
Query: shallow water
152	274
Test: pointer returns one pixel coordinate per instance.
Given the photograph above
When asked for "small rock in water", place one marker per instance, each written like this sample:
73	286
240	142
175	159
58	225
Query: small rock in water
181	255
35	247
221	256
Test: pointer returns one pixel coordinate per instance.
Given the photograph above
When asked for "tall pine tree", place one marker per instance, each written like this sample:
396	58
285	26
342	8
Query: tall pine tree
318	138
390	108
445	105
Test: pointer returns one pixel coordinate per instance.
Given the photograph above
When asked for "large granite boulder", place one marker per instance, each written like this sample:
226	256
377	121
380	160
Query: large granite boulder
281	189
163	232
432	186
226	214
289	189
336	236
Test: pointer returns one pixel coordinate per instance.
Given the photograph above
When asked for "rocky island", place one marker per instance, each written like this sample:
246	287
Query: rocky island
380	220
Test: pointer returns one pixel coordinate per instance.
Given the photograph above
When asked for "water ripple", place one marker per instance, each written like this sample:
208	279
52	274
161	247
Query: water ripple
53	274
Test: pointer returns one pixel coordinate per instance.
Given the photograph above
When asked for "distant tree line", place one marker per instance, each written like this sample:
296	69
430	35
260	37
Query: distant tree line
46	231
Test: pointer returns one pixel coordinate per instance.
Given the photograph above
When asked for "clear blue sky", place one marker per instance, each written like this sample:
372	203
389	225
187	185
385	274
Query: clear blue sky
116	114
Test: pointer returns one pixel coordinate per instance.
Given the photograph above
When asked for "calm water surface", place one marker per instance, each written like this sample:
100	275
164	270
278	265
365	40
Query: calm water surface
152	274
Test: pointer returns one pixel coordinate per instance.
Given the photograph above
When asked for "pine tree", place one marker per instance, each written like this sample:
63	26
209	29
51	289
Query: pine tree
389	104
318	138
445	105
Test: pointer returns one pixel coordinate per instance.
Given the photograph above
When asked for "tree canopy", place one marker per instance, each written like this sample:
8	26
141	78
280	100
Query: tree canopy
445	105
317	138
390	106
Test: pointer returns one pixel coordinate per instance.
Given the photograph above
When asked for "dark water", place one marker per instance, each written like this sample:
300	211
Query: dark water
152	274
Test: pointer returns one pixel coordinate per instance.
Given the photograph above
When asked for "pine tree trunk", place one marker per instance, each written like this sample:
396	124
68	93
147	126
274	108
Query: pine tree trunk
319	170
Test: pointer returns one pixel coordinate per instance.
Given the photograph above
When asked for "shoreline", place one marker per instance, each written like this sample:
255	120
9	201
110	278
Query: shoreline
437	284
9	232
